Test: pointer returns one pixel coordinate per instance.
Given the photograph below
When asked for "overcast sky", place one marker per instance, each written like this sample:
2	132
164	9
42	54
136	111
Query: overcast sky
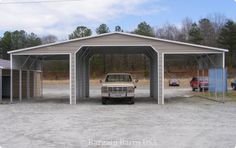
62	18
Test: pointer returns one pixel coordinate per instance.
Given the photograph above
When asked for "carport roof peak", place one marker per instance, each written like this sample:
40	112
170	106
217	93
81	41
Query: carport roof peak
121	33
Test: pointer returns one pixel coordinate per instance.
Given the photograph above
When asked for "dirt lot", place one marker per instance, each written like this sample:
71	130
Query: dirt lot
184	121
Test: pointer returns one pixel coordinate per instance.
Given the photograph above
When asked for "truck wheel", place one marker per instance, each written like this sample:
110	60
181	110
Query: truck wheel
193	89
131	101
200	89
104	101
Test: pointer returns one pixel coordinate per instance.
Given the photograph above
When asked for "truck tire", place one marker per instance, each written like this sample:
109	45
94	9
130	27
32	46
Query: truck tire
104	101
131	100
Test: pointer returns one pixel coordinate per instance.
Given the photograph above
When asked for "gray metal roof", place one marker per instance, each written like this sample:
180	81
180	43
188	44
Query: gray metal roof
121	33
5	64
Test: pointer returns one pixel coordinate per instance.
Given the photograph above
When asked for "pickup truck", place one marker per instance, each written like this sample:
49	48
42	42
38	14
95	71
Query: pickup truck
200	83
118	86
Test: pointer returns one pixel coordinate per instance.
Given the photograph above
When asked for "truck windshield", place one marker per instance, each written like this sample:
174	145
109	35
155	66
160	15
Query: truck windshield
203	78
118	78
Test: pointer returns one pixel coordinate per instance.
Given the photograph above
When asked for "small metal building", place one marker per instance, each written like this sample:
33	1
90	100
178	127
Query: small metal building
79	51
5	81
5	67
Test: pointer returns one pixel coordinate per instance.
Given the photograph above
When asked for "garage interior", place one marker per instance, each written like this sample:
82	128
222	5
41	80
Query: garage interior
195	66
86	53
28	79
79	51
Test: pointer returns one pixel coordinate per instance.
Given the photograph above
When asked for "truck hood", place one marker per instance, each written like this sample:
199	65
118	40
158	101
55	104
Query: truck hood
118	84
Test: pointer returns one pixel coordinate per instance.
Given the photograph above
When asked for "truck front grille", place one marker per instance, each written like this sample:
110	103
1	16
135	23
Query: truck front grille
117	89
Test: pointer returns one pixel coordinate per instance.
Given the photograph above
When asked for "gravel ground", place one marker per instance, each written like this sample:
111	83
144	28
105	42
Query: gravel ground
184	121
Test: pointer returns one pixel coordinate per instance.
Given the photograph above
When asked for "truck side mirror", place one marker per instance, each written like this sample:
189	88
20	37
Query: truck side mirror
136	80
101	81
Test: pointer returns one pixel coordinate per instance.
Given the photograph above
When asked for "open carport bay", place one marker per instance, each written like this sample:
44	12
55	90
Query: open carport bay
59	90
181	122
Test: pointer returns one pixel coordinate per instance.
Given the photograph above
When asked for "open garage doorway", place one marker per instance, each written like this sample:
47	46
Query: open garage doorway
138	65
41	78
56	78
189	75
101	60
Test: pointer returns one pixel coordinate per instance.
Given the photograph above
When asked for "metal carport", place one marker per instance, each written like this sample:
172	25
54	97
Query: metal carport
80	50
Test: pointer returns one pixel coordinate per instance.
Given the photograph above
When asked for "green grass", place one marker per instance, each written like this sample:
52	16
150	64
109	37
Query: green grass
231	95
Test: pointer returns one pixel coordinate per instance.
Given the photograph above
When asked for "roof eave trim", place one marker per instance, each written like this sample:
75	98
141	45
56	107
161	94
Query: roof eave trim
62	42
177	42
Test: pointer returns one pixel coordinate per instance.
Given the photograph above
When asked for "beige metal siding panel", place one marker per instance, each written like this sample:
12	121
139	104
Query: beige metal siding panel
32	84
24	84
37	84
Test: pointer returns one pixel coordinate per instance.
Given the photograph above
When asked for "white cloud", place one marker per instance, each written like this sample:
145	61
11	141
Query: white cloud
61	18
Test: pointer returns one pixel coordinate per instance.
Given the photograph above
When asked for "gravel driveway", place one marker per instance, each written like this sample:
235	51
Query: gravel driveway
182	122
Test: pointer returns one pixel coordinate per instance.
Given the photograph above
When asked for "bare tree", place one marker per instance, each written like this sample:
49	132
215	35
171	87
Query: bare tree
49	39
168	31
185	28
218	20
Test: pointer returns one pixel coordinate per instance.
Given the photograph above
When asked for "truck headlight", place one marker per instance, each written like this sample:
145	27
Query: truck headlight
130	89
104	89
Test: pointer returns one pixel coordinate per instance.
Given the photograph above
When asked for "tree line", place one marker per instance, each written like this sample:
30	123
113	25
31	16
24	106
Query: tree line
215	30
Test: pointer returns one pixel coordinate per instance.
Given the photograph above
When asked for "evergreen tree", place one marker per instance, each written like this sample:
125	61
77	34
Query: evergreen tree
227	39
103	28
207	32
144	29
17	40
195	34
79	32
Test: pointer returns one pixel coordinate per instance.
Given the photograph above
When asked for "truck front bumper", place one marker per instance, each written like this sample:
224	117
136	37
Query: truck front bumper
118	95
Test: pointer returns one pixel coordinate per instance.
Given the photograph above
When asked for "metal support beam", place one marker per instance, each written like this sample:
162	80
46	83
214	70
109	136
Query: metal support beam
35	59
72	79
23	65
28	84
223	76
42	77
160	70
20	85
11	91
0	85
151	77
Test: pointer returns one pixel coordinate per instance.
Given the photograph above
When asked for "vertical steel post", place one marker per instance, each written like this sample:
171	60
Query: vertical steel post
20	85
216	84
72	78
41	77
28	84
198	73
0	85
11	91
223	77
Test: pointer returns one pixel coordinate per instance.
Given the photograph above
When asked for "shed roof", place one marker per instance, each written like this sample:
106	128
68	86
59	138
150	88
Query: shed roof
125	34
5	64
